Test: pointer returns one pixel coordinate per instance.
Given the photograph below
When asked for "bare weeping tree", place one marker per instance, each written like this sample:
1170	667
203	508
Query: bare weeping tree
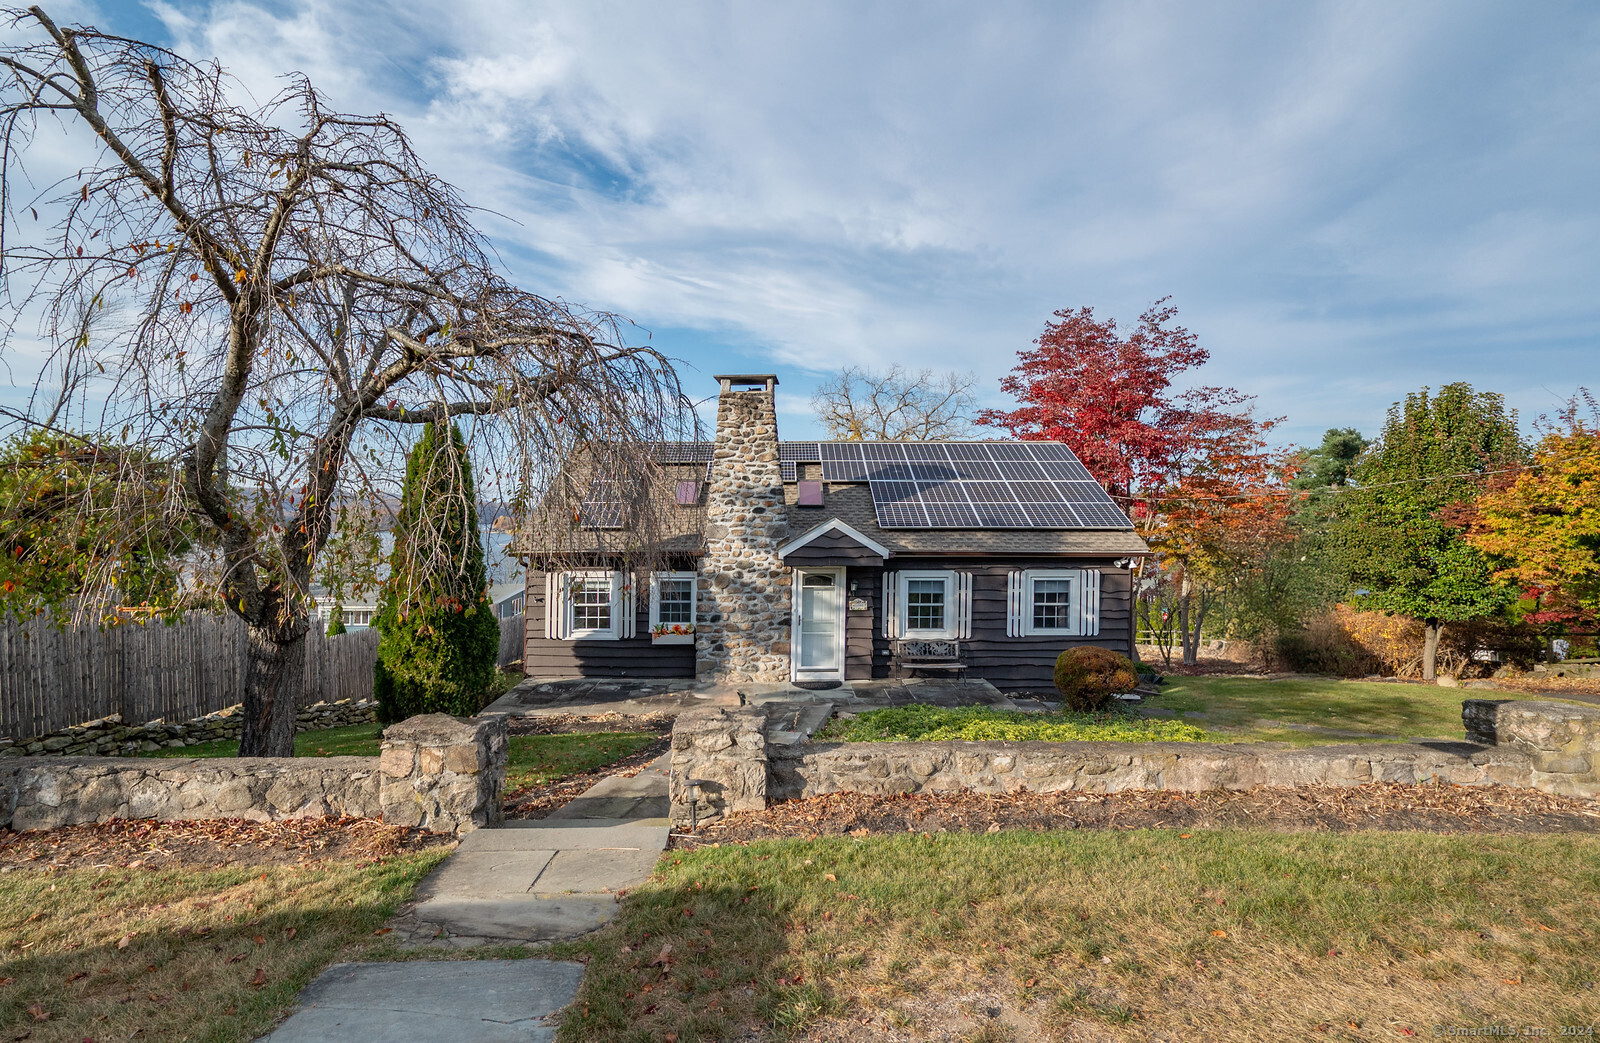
896	405
265	301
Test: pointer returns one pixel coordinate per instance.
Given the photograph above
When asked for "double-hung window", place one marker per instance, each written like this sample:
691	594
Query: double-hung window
1053	603
594	605
672	596
589	607
928	604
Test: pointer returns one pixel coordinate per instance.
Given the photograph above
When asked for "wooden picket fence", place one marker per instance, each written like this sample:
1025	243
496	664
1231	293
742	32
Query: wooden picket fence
52	679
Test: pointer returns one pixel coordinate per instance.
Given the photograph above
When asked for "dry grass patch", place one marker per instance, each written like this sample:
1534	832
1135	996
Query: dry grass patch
1235	934
183	954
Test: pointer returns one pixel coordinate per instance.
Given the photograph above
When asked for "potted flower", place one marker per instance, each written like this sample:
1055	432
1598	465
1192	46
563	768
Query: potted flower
672	633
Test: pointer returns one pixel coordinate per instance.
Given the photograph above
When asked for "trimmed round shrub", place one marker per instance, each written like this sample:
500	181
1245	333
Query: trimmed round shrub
1089	675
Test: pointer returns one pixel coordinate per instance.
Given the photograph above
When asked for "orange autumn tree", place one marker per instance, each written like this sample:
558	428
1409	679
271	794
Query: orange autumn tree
1542	528
1223	511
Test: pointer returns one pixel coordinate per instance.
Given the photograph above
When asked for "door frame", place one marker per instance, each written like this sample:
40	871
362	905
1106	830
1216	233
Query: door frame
796	634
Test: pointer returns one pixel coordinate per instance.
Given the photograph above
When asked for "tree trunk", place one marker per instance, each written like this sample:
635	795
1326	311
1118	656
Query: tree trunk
1190	638
1430	648
275	675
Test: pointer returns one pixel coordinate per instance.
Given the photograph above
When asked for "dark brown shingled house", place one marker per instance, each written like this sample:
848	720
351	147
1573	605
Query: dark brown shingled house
837	561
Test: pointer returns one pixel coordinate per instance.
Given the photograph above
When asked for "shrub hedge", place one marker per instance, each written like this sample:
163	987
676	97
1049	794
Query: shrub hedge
981	723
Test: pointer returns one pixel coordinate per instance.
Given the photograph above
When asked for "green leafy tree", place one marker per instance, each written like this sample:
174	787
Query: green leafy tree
1435	452
58	496
336	621
440	641
1331	463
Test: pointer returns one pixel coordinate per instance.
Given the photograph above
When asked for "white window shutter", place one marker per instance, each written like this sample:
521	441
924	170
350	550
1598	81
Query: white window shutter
550	606
1014	589
560	623
963	605
655	599
1089	604
623	622
891	611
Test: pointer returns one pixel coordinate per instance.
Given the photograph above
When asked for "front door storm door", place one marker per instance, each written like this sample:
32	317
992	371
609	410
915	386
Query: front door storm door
819	625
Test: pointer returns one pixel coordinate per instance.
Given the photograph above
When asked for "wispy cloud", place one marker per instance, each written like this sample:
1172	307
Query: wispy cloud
1345	200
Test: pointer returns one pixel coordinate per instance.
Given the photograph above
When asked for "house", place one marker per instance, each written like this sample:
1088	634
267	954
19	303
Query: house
507	587
832	561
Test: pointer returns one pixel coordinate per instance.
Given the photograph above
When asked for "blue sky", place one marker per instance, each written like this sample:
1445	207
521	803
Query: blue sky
1345	201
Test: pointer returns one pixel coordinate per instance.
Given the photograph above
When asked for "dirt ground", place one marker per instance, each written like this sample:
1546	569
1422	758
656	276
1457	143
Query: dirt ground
1381	806
210	844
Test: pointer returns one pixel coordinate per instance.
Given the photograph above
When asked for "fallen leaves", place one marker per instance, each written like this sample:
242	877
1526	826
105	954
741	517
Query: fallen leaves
124	941
259	980
38	1012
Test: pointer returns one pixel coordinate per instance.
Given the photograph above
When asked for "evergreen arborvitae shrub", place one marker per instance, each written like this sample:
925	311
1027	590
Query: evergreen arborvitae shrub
335	621
439	641
1089	675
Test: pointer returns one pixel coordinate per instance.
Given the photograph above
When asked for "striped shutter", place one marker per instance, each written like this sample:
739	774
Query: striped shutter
1089	603
624	619
891	611
555	602
963	605
1014	587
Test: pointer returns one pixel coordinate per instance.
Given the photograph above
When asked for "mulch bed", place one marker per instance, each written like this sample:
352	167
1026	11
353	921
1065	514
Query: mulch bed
539	801
211	844
1382	806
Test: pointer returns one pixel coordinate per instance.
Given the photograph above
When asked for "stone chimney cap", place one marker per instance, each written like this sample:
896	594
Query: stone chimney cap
727	380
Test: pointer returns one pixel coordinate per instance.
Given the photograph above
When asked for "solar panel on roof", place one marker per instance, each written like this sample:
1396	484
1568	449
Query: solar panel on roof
604	506
683	452
788	471
1102	515
842	462
798	452
1001	485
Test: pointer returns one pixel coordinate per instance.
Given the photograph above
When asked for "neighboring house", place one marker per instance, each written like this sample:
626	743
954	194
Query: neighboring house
506	584
832	561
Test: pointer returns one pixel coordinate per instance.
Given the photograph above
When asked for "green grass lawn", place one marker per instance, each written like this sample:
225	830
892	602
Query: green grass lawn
534	760
1312	711
1224	934
183	954
982	723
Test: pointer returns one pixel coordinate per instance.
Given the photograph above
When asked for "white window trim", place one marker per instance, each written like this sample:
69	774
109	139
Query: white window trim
655	606
950	629
1074	606
559	606
1083	611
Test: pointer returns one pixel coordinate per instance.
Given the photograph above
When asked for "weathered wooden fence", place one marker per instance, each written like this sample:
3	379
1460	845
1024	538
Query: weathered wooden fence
513	636
52	679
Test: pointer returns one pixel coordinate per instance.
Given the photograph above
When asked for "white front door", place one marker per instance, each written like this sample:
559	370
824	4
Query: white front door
819	624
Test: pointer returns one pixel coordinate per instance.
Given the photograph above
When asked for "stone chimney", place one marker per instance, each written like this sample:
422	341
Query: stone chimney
743	629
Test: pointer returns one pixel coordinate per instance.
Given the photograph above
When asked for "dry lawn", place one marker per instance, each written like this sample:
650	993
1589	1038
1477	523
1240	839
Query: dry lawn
1148	934
183	953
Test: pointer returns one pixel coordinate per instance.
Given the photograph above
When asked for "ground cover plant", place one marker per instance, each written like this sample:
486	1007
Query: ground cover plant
979	723
1313	711
1227	934
185	953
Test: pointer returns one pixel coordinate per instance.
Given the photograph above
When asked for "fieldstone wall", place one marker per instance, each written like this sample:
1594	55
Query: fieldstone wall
726	751
444	773
1545	746
63	791
1561	741
110	737
742	628
890	768
437	773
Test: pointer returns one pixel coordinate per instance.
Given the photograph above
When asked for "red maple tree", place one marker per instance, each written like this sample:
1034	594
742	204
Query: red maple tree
1192	468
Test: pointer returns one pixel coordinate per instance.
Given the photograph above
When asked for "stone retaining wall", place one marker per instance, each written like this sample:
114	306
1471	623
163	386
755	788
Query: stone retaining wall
438	773
1535	745
110	737
725	751
891	768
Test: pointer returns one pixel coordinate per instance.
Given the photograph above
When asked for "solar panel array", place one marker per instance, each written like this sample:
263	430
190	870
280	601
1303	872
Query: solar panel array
974	485
604	506
950	485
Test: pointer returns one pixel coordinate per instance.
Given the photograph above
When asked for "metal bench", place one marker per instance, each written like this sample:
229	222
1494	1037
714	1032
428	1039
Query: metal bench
936	656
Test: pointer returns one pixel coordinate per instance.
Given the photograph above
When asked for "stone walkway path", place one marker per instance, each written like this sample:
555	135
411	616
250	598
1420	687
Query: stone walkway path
530	881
